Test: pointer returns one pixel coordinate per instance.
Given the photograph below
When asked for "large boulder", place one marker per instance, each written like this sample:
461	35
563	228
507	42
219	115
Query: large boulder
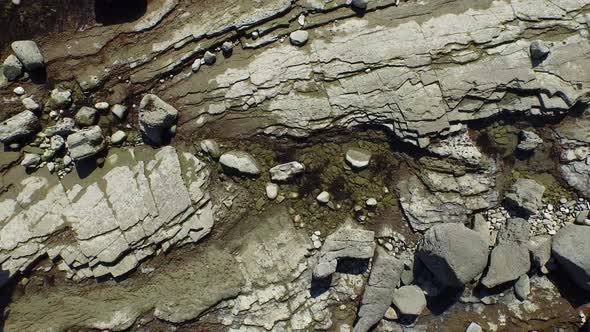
240	162
526	194
385	276
18	127
453	253
85	143
29	54
155	118
571	248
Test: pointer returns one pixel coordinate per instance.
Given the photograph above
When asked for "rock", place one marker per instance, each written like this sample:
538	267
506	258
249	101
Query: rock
286	172
85	143
482	226
120	111
155	118
102	106
539	50
31	160
18	127
360	4
51	167
390	314
196	65
407	277
299	37
272	190
540	249
59	99
209	58
371	202
56	143
526	194
516	230
241	162
357	158
453	253
30	104
63	127
409	300
19	91
581	217
378	294
522	288
323	197
211	147
67	161
118	137
345	242
528	141
473	327
29	54
571	248
12	68
227	47
86	116
508	261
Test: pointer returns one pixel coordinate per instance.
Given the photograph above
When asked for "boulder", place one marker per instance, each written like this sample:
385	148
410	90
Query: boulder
345	242
299	37
118	137
85	143
409	300
539	50
59	99
358	158
528	141
227	47
453	253
240	162
526	194
12	68
209	58
29	54
155	118
384	278
120	111
571	248
508	262
516	230
286	172
211	147
56	143
30	104
86	116
18	127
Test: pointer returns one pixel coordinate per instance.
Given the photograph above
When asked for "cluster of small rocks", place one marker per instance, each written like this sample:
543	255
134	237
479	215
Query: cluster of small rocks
551	217
396	244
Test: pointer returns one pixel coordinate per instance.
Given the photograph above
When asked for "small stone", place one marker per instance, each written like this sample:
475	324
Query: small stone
56	143
528	141
286	172
358	158
522	288
51	167
18	127
323	197
390	314
102	106
272	190
360	4
12	68
196	65
172	130
67	161
317	244
299	37
241	162
86	116
371	202
473	327
209	58
120	111
31	160
118	137
30	104
85	143
227	47
581	217
211	147
59	99
19	91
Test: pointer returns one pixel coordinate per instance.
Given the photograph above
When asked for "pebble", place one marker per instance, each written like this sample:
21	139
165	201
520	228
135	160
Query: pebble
272	190
102	106
51	167
19	91
473	327
120	111
67	161
299	37
196	65
323	197
371	202
317	244
30	104
209	58
118	137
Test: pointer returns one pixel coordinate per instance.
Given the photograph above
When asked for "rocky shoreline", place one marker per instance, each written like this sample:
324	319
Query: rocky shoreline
299	165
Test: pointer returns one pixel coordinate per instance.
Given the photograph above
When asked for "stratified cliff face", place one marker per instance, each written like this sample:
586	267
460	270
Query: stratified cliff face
290	165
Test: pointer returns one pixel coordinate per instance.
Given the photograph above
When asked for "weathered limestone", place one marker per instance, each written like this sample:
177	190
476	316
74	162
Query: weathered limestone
145	200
